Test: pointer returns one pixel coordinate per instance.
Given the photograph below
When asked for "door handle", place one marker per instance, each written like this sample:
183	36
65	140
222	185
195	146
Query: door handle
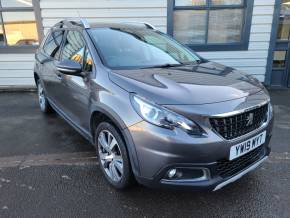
59	76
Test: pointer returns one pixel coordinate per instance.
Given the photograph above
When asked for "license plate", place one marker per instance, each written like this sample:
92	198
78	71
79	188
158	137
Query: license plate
247	146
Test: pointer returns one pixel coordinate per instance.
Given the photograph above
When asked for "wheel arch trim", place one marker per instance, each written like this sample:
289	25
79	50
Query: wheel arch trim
112	115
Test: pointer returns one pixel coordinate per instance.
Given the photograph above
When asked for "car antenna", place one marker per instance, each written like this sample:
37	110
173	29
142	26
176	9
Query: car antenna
83	21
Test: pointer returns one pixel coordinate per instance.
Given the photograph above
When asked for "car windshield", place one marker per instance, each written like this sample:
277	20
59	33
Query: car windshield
139	48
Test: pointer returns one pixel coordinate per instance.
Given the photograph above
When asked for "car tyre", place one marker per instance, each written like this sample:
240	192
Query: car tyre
113	156
42	100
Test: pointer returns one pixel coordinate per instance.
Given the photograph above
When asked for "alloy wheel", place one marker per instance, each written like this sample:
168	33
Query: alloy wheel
41	97
110	155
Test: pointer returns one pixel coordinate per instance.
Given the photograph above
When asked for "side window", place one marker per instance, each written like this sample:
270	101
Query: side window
88	62
52	43
74	47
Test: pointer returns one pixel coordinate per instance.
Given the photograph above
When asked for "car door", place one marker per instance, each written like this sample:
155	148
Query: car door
76	89
47	58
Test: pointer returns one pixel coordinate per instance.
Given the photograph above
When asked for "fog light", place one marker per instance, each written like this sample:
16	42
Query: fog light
186	175
171	173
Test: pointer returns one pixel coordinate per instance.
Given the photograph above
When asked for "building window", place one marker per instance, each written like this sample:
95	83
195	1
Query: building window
211	24
18	26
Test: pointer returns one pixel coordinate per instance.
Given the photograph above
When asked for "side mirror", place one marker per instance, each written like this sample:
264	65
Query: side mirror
69	67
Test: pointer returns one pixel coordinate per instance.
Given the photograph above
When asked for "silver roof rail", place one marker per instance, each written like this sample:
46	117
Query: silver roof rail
148	25
81	22
85	23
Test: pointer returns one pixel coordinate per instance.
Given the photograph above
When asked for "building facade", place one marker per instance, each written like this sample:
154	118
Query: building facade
250	35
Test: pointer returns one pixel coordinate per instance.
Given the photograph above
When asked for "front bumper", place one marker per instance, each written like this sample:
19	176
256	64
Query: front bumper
159	150
242	173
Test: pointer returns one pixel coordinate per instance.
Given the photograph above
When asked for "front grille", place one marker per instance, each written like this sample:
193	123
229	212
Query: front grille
234	126
226	168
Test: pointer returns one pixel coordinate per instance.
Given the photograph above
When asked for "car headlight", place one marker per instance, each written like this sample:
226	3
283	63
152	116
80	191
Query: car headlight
163	117
270	111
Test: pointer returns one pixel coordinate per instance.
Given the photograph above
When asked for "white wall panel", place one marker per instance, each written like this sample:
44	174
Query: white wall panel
16	69
84	4
261	28
152	11
17	82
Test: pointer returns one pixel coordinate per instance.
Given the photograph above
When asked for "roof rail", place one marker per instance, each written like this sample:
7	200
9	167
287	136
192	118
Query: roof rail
148	25
72	22
85	23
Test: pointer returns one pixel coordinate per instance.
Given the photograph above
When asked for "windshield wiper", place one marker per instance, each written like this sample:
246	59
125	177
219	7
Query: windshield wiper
194	62
163	66
168	65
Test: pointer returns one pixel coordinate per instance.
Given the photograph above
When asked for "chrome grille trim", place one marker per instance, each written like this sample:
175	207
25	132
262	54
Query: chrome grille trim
235	126
236	112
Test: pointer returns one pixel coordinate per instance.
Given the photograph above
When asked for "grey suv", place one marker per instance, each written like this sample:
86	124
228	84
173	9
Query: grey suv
156	112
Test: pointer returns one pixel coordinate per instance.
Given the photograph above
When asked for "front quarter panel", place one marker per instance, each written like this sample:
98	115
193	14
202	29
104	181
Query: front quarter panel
110	98
113	101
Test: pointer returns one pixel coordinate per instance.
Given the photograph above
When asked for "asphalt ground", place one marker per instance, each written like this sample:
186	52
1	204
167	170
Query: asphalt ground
48	170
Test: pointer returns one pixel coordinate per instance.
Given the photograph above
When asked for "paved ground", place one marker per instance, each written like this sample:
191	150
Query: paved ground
48	170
